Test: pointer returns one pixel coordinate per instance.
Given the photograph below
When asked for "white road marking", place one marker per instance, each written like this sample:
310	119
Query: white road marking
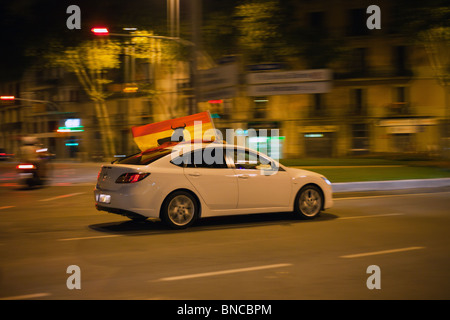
381	252
371	216
390	196
93	237
6	207
63	196
26	296
215	273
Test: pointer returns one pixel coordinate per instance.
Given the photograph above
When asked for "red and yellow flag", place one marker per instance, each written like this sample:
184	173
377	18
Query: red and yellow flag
189	127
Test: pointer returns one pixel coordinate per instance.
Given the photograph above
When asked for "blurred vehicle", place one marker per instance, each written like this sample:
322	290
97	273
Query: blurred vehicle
33	167
5	156
182	183
28	174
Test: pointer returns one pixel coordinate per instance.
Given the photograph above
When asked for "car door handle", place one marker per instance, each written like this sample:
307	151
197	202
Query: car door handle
243	176
194	174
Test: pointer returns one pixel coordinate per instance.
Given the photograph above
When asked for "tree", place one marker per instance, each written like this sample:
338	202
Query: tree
428	23
164	56
90	61
257	25
436	42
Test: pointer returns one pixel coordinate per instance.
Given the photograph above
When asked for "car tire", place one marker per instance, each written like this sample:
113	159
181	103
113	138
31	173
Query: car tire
179	210
309	202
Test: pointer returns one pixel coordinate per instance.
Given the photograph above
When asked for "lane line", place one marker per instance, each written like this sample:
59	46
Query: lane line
215	273
63	196
93	237
6	207
26	296
390	195
371	216
358	255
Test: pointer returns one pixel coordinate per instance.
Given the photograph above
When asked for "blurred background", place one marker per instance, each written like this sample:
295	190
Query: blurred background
312	69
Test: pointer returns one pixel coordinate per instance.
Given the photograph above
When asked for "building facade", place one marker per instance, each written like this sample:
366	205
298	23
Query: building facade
383	98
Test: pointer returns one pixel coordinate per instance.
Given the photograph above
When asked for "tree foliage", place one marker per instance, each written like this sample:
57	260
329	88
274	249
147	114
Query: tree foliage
90	61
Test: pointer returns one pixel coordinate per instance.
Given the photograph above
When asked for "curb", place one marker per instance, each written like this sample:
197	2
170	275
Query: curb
389	185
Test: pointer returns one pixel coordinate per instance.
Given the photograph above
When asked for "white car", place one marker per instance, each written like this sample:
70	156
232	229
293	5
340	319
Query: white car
189	181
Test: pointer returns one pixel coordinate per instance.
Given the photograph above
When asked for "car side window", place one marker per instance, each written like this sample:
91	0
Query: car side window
245	159
212	158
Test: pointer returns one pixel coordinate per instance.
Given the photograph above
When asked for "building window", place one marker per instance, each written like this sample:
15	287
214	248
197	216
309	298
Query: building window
400	61
260	107
359	102
74	95
358	63
357	22
400	104
360	138
318	105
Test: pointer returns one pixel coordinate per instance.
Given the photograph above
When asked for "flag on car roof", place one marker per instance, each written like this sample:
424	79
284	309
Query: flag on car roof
174	130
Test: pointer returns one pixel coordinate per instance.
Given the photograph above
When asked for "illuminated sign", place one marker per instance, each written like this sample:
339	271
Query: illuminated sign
71	125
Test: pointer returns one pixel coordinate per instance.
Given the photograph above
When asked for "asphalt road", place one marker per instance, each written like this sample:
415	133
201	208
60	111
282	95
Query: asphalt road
270	256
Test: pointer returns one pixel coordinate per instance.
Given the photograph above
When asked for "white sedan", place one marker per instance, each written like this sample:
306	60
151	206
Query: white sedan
186	182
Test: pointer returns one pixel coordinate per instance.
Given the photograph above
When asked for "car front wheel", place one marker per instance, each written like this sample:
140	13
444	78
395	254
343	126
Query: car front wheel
179	210
308	202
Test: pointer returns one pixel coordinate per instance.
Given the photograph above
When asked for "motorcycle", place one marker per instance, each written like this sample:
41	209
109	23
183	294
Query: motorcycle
28	174
35	173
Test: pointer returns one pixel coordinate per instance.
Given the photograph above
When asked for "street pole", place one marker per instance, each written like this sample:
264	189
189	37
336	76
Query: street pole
196	40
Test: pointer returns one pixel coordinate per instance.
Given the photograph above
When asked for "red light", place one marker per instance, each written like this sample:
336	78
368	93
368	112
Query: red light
131	177
26	166
215	101
100	31
7	97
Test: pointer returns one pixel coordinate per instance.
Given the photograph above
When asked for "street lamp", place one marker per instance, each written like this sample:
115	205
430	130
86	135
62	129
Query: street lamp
12	98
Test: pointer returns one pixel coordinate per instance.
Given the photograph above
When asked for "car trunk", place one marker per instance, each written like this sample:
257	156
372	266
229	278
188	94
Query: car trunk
109	173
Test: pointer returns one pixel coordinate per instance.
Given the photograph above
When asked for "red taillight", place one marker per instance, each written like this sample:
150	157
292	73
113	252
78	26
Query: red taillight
26	166
131	177
100	31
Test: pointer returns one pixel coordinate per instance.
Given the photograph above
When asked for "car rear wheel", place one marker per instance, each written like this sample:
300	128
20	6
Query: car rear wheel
179	210
309	202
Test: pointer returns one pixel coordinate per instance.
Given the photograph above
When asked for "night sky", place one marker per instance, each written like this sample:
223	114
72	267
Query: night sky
29	25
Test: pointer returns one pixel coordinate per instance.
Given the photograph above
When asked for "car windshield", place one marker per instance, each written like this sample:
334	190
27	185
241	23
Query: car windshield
146	157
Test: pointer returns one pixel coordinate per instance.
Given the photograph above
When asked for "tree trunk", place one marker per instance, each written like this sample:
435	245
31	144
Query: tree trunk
105	129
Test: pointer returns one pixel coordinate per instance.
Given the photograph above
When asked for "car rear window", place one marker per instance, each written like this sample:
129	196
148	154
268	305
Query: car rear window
145	158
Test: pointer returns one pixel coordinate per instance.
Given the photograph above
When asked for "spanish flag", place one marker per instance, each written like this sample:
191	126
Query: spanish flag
174	130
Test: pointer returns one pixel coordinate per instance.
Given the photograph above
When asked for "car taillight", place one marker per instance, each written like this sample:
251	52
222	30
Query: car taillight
131	177
26	166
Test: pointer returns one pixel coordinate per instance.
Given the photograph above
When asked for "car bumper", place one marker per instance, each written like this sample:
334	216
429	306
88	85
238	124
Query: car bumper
123	204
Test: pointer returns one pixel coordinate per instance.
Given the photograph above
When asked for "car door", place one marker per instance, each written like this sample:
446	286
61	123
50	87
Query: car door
260	183
213	179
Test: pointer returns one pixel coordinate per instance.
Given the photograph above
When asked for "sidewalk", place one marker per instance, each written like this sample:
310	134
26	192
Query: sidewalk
389	185
362	177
